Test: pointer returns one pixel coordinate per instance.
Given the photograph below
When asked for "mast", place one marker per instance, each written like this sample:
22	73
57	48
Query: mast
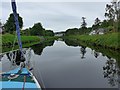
14	9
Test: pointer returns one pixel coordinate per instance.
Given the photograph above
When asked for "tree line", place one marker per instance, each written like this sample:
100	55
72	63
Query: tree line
110	24
36	30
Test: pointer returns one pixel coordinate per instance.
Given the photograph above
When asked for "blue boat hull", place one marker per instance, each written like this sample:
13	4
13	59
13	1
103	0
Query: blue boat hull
24	80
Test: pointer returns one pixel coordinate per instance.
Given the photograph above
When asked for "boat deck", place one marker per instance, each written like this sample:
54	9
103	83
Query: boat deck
24	79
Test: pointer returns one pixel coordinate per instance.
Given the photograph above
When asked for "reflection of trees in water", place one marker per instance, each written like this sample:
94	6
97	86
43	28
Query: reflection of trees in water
38	48
104	51
96	54
60	39
71	43
1	56
15	57
83	51
111	72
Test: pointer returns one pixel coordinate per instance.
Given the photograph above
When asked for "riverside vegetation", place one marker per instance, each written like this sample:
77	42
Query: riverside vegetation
110	40
36	33
110	28
8	40
29	36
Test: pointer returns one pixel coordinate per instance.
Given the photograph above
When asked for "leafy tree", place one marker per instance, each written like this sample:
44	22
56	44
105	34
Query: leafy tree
0	26
37	29
83	28
49	33
104	24
10	24
118	16
73	31
26	32
110	13
96	23
84	24
0	23
113	13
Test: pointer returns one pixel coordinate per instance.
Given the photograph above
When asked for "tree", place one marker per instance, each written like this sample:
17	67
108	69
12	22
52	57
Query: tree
72	31
26	32
49	33
83	51
0	23
0	26
96	23
110	13
10	24
113	13
118	16
37	29
84	24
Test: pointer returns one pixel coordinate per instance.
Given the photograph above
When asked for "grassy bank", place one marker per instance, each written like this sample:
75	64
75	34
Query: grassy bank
8	40
27	41
49	38
110	40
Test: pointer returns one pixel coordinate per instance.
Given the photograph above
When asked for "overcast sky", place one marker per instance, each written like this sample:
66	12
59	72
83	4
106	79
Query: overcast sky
57	16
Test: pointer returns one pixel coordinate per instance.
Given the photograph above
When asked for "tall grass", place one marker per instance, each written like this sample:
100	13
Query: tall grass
107	40
8	39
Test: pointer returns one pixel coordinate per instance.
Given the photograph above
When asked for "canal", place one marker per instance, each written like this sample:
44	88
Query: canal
59	64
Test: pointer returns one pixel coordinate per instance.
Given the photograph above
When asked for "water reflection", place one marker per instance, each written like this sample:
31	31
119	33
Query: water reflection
111	72
83	51
71	43
38	48
15	57
96	54
109	68
1	56
95	49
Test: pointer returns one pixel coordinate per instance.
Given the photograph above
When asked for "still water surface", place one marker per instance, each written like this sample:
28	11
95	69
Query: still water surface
59	65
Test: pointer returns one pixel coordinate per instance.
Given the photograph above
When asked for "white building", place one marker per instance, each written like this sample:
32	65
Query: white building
59	35
98	31
92	33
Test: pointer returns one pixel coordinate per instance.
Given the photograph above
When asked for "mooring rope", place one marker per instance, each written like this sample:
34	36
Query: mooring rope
12	55
14	42
24	82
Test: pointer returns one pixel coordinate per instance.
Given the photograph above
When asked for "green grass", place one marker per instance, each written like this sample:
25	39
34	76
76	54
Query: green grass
107	40
8	39
49	38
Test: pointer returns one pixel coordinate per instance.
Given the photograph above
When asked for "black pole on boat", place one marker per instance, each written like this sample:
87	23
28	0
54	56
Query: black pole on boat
14	9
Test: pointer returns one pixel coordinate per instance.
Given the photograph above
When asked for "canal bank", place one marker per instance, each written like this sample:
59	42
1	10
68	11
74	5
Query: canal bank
110	41
9	41
105	51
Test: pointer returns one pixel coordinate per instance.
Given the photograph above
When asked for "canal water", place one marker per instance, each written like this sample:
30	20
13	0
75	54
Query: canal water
59	64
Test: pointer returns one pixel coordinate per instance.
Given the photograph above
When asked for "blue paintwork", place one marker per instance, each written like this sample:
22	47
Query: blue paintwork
11	84
15	71
17	84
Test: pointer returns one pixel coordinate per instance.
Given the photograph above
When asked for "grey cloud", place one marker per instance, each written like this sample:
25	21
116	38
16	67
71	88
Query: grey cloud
58	0
56	16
